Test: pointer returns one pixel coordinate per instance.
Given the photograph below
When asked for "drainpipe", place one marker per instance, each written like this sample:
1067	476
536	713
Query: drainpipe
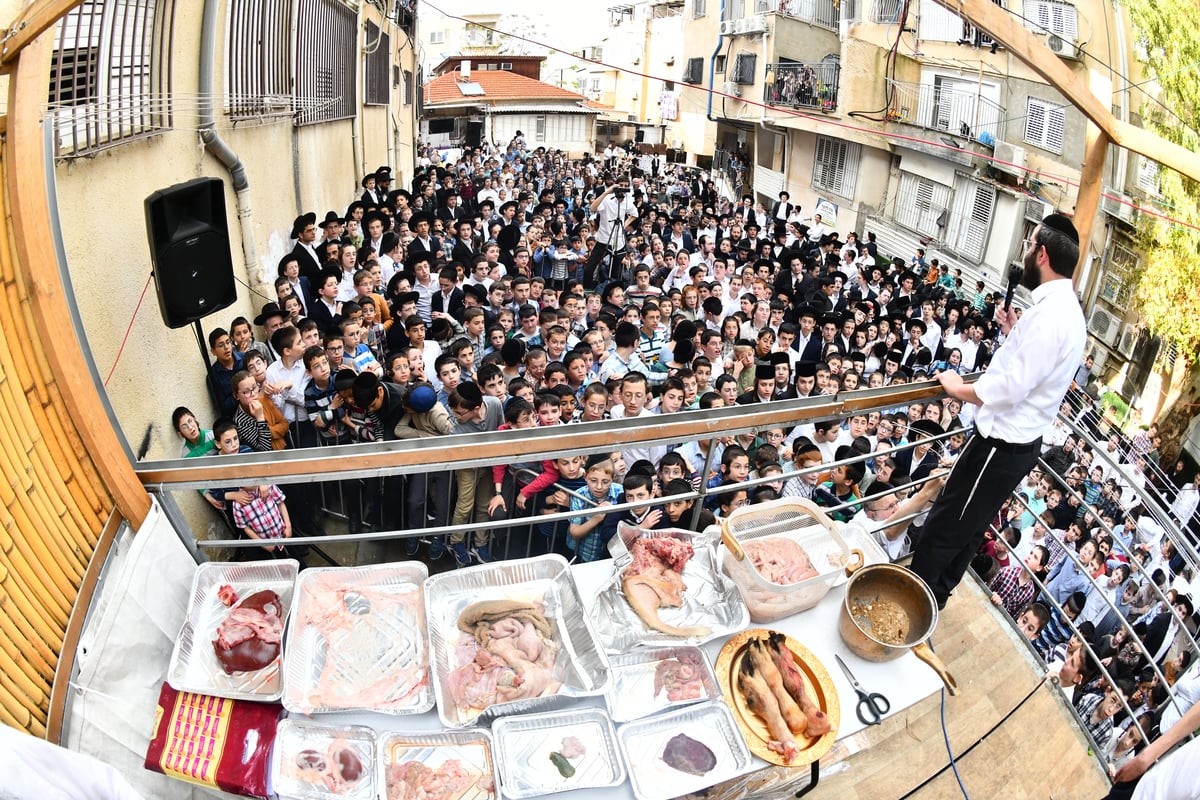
712	62
217	146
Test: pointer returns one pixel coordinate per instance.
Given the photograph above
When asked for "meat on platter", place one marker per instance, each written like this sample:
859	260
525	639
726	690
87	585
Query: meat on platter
681	676
654	580
780	560
773	687
413	780
506	651
248	638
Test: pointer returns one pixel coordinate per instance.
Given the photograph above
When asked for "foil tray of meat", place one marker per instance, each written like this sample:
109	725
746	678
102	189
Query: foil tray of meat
231	642
683	751
653	679
357	641
782	697
446	765
320	762
666	590
557	752
510	638
784	555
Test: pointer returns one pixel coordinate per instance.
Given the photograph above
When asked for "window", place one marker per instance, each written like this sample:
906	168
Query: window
109	74
1045	125
506	65
923	205
539	129
694	71
1050	16
971	220
1117	286
836	166
437	37
1147	177
375	67
258	79
445	125
408	87
744	68
326	49
699	8
734	9
887	11
719	64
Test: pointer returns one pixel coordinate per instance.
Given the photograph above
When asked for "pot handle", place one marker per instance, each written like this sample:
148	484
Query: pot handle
856	555
731	543
926	654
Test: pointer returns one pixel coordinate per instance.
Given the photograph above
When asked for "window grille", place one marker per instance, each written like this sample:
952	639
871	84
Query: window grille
836	166
376	91
326	49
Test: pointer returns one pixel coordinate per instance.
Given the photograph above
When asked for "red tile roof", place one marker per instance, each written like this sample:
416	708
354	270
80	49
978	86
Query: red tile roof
497	85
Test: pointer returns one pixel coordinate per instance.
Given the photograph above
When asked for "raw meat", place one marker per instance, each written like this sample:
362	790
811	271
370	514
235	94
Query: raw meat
506	652
780	560
412	780
654	580
572	748
818	721
248	638
761	701
687	755
681	676
227	595
760	657
336	769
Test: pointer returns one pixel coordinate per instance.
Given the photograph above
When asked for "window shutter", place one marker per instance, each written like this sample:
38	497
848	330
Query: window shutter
1056	123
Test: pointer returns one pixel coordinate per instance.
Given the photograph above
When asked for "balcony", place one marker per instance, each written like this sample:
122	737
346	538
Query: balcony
949	108
823	13
803	85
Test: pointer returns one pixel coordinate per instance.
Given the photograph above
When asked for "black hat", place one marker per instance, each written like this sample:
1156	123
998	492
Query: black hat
895	355
383	173
686	329
505	205
806	369
839	274
303	221
370	176
924	426
745	244
594	459
350	209
407	297
470	393
779	358
879	350
344	379
366	387
420	216
764	372
904	371
916	322
512	351
831	319
477	291
808	310
414	256
394	193
1063	225
907	274
269	310
332	216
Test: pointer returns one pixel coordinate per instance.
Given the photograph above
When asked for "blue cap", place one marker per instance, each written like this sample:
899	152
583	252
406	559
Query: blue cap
422	398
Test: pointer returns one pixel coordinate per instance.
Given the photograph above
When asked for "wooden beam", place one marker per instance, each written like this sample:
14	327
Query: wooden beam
1087	201
37	17
26	178
1007	29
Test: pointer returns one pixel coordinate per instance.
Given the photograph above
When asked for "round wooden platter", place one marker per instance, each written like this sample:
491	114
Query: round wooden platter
817	682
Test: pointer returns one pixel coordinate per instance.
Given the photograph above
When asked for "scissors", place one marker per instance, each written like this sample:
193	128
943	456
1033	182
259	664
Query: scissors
872	706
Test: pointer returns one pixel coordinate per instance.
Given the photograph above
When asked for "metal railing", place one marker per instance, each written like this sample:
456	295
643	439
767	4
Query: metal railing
824	13
944	108
803	85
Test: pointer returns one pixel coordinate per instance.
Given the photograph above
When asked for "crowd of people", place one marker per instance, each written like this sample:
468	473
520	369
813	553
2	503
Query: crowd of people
521	288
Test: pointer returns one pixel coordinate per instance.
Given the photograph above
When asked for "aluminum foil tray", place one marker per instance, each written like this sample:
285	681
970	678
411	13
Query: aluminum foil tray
580	667
635	691
360	630
194	666
642	743
524	745
473	776
710	600
324	749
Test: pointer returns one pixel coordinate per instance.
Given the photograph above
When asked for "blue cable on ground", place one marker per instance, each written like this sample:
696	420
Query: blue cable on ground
949	752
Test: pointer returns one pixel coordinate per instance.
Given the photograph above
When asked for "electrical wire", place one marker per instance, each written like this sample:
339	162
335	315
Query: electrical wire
128	328
949	752
899	137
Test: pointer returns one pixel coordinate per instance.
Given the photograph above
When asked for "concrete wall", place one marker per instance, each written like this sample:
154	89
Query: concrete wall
869	190
290	169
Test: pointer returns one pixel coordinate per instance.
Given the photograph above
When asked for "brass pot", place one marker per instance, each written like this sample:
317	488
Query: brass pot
890	583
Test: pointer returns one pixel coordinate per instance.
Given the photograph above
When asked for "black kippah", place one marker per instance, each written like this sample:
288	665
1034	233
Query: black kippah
1063	225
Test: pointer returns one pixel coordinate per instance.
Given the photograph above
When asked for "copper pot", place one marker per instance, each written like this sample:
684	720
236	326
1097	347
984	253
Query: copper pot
890	583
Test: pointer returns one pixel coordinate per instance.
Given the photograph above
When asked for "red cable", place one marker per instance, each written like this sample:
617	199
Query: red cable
826	120
121	349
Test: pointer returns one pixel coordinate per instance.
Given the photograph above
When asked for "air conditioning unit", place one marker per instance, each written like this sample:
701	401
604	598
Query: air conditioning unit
1104	326
739	26
1129	337
1063	48
756	24
1114	207
731	88
727	27
1010	158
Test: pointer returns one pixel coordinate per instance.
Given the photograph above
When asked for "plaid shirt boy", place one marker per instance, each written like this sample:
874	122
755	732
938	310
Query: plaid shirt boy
261	515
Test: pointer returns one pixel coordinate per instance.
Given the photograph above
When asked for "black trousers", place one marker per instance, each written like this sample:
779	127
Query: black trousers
984	475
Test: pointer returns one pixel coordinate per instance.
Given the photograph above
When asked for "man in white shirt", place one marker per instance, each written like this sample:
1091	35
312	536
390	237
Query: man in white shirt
1017	397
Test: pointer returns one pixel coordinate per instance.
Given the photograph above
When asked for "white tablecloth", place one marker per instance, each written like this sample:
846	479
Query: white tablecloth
904	681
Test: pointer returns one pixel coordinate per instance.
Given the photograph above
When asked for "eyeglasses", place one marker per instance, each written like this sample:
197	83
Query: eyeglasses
253	390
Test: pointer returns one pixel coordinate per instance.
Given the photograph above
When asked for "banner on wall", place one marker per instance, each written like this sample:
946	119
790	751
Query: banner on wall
827	210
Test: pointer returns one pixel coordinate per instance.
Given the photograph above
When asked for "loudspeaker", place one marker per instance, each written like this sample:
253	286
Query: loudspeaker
189	250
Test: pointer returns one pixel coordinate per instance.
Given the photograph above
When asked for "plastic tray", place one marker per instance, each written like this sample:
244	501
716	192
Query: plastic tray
295	736
524	745
632	694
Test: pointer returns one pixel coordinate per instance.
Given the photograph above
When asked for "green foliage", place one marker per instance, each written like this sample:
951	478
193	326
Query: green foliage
1169	52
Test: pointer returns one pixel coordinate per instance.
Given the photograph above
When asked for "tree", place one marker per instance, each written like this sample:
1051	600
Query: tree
1166	295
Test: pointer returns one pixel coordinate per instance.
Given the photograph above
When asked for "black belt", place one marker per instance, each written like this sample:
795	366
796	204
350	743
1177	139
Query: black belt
1014	449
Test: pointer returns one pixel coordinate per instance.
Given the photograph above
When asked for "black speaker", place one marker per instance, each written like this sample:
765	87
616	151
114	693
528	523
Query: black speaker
189	250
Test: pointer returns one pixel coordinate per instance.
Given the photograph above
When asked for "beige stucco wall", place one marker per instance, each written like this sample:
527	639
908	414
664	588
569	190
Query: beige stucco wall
101	209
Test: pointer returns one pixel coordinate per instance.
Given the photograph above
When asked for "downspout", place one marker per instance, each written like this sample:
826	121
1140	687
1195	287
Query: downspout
217	146
712	61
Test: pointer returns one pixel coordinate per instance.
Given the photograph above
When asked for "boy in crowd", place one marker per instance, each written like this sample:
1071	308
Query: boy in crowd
589	535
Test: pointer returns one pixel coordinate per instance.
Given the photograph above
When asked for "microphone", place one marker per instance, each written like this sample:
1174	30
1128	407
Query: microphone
1014	278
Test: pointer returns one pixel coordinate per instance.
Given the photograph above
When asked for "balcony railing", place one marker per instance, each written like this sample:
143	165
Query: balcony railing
809	85
944	108
825	13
